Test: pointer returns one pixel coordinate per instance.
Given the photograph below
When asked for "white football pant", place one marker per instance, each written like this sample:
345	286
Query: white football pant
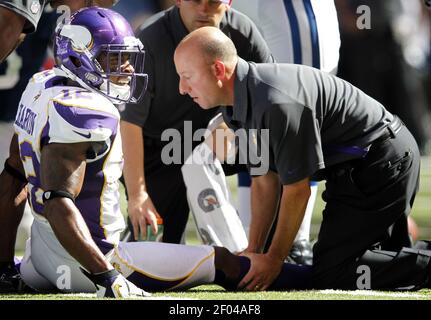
152	266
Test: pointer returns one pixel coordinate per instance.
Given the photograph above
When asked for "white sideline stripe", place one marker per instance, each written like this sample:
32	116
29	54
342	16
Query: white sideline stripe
372	293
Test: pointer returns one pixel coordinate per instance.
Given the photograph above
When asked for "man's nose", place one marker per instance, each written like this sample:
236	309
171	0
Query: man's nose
184	87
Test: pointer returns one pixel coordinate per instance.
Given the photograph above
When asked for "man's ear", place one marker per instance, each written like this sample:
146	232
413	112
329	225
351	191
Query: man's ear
219	69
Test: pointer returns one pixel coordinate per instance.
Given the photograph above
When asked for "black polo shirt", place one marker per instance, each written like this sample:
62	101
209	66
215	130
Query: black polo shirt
315	120
162	106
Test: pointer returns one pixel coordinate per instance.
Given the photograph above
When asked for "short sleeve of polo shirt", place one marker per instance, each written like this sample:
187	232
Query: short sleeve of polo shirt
295	143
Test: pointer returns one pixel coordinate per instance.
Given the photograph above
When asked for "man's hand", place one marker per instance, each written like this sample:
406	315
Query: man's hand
142	212
111	284
263	271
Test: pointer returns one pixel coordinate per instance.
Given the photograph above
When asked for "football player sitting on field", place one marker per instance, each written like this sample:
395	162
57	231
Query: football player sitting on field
67	153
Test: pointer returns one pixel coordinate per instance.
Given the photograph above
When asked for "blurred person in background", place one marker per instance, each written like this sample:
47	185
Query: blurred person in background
137	11
380	59
426	31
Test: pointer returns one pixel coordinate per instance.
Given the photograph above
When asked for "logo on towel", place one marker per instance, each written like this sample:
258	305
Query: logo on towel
207	200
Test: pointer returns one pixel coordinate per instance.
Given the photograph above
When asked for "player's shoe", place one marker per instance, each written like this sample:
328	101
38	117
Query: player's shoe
9	278
301	253
112	284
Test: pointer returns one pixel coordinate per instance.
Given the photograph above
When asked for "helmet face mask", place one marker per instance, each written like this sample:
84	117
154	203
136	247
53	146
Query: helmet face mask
98	50
110	60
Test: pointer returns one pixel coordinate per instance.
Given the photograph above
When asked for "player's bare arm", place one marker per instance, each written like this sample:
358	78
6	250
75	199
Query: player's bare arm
13	195
266	267
11	25
63	169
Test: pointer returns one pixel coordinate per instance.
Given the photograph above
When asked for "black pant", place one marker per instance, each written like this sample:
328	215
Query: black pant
365	220
165	186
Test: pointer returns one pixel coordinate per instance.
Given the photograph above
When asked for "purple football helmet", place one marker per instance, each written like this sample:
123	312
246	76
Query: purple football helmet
93	47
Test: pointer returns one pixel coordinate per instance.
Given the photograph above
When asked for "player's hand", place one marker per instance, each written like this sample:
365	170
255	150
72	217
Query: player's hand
264	269
112	284
142	212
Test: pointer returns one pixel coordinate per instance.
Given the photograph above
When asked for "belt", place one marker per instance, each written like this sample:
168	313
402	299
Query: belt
390	131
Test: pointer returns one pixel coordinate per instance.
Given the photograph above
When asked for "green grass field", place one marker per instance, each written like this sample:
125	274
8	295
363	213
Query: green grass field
421	213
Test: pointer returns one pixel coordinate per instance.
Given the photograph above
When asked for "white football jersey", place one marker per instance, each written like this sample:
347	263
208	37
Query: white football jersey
297	31
50	112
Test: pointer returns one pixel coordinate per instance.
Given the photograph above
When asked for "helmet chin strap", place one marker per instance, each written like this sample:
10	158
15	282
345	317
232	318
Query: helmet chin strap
64	72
